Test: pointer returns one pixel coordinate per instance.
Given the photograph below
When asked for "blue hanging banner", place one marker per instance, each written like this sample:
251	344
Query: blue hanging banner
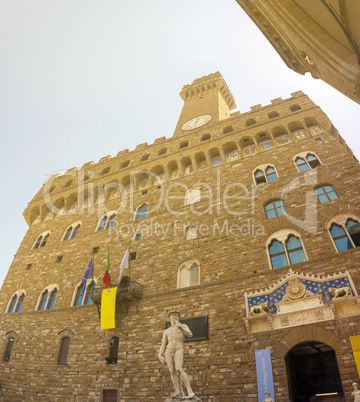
265	381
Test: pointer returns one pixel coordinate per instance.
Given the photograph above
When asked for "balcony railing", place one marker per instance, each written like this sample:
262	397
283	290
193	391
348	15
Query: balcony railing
129	291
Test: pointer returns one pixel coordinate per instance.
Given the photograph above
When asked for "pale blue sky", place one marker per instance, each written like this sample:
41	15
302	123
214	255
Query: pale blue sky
82	79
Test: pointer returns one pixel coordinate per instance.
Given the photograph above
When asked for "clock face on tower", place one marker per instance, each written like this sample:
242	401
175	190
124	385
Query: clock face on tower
196	122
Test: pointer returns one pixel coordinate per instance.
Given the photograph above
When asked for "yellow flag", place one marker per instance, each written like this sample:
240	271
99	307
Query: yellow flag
108	298
355	344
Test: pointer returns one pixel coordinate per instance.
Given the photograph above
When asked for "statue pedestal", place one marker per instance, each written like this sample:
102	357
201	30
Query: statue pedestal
182	398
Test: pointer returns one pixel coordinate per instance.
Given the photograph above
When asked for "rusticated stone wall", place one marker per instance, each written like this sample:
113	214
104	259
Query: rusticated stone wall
230	248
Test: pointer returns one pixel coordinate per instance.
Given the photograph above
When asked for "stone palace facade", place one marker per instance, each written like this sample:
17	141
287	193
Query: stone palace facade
247	223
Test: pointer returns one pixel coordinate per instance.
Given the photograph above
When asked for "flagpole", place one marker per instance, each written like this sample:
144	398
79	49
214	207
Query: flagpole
93	266
108	262
129	264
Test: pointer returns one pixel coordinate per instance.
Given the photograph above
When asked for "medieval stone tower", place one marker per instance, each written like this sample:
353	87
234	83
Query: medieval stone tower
248	223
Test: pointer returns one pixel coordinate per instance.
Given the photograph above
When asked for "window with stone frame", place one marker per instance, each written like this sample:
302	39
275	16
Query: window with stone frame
306	162
326	194
189	273
274	209
107	221
16	302
9	347
265	174
63	351
141	212
285	248
47	298
72	231
345	233
84	296
41	240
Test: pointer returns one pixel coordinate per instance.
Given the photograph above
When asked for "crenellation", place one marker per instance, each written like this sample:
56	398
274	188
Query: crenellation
87	164
276	101
104	159
256	108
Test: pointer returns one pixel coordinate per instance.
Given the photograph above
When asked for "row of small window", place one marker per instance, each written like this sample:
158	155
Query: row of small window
304	163
106	222
62	356
48	297
277	208
272	210
283	250
188	275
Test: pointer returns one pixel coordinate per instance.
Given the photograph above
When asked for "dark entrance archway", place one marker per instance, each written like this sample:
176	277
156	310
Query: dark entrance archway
313	373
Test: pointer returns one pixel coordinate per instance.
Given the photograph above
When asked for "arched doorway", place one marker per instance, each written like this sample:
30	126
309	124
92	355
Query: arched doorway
313	373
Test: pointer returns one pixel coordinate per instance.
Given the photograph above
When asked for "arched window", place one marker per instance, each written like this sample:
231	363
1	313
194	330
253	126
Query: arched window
294	108
259	177
105	170
79	296
265	175
9	348
41	240
272	115
353	228
63	351
72	231
47	298
310	161
189	274
274	209
346	236
52	299
84	297
16	302
20	303
90	292
326	194
284	250
13	304
44	300
142	212
277	254
205	137
250	122
103	222
301	164
192	196
228	129
107	221
270	174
